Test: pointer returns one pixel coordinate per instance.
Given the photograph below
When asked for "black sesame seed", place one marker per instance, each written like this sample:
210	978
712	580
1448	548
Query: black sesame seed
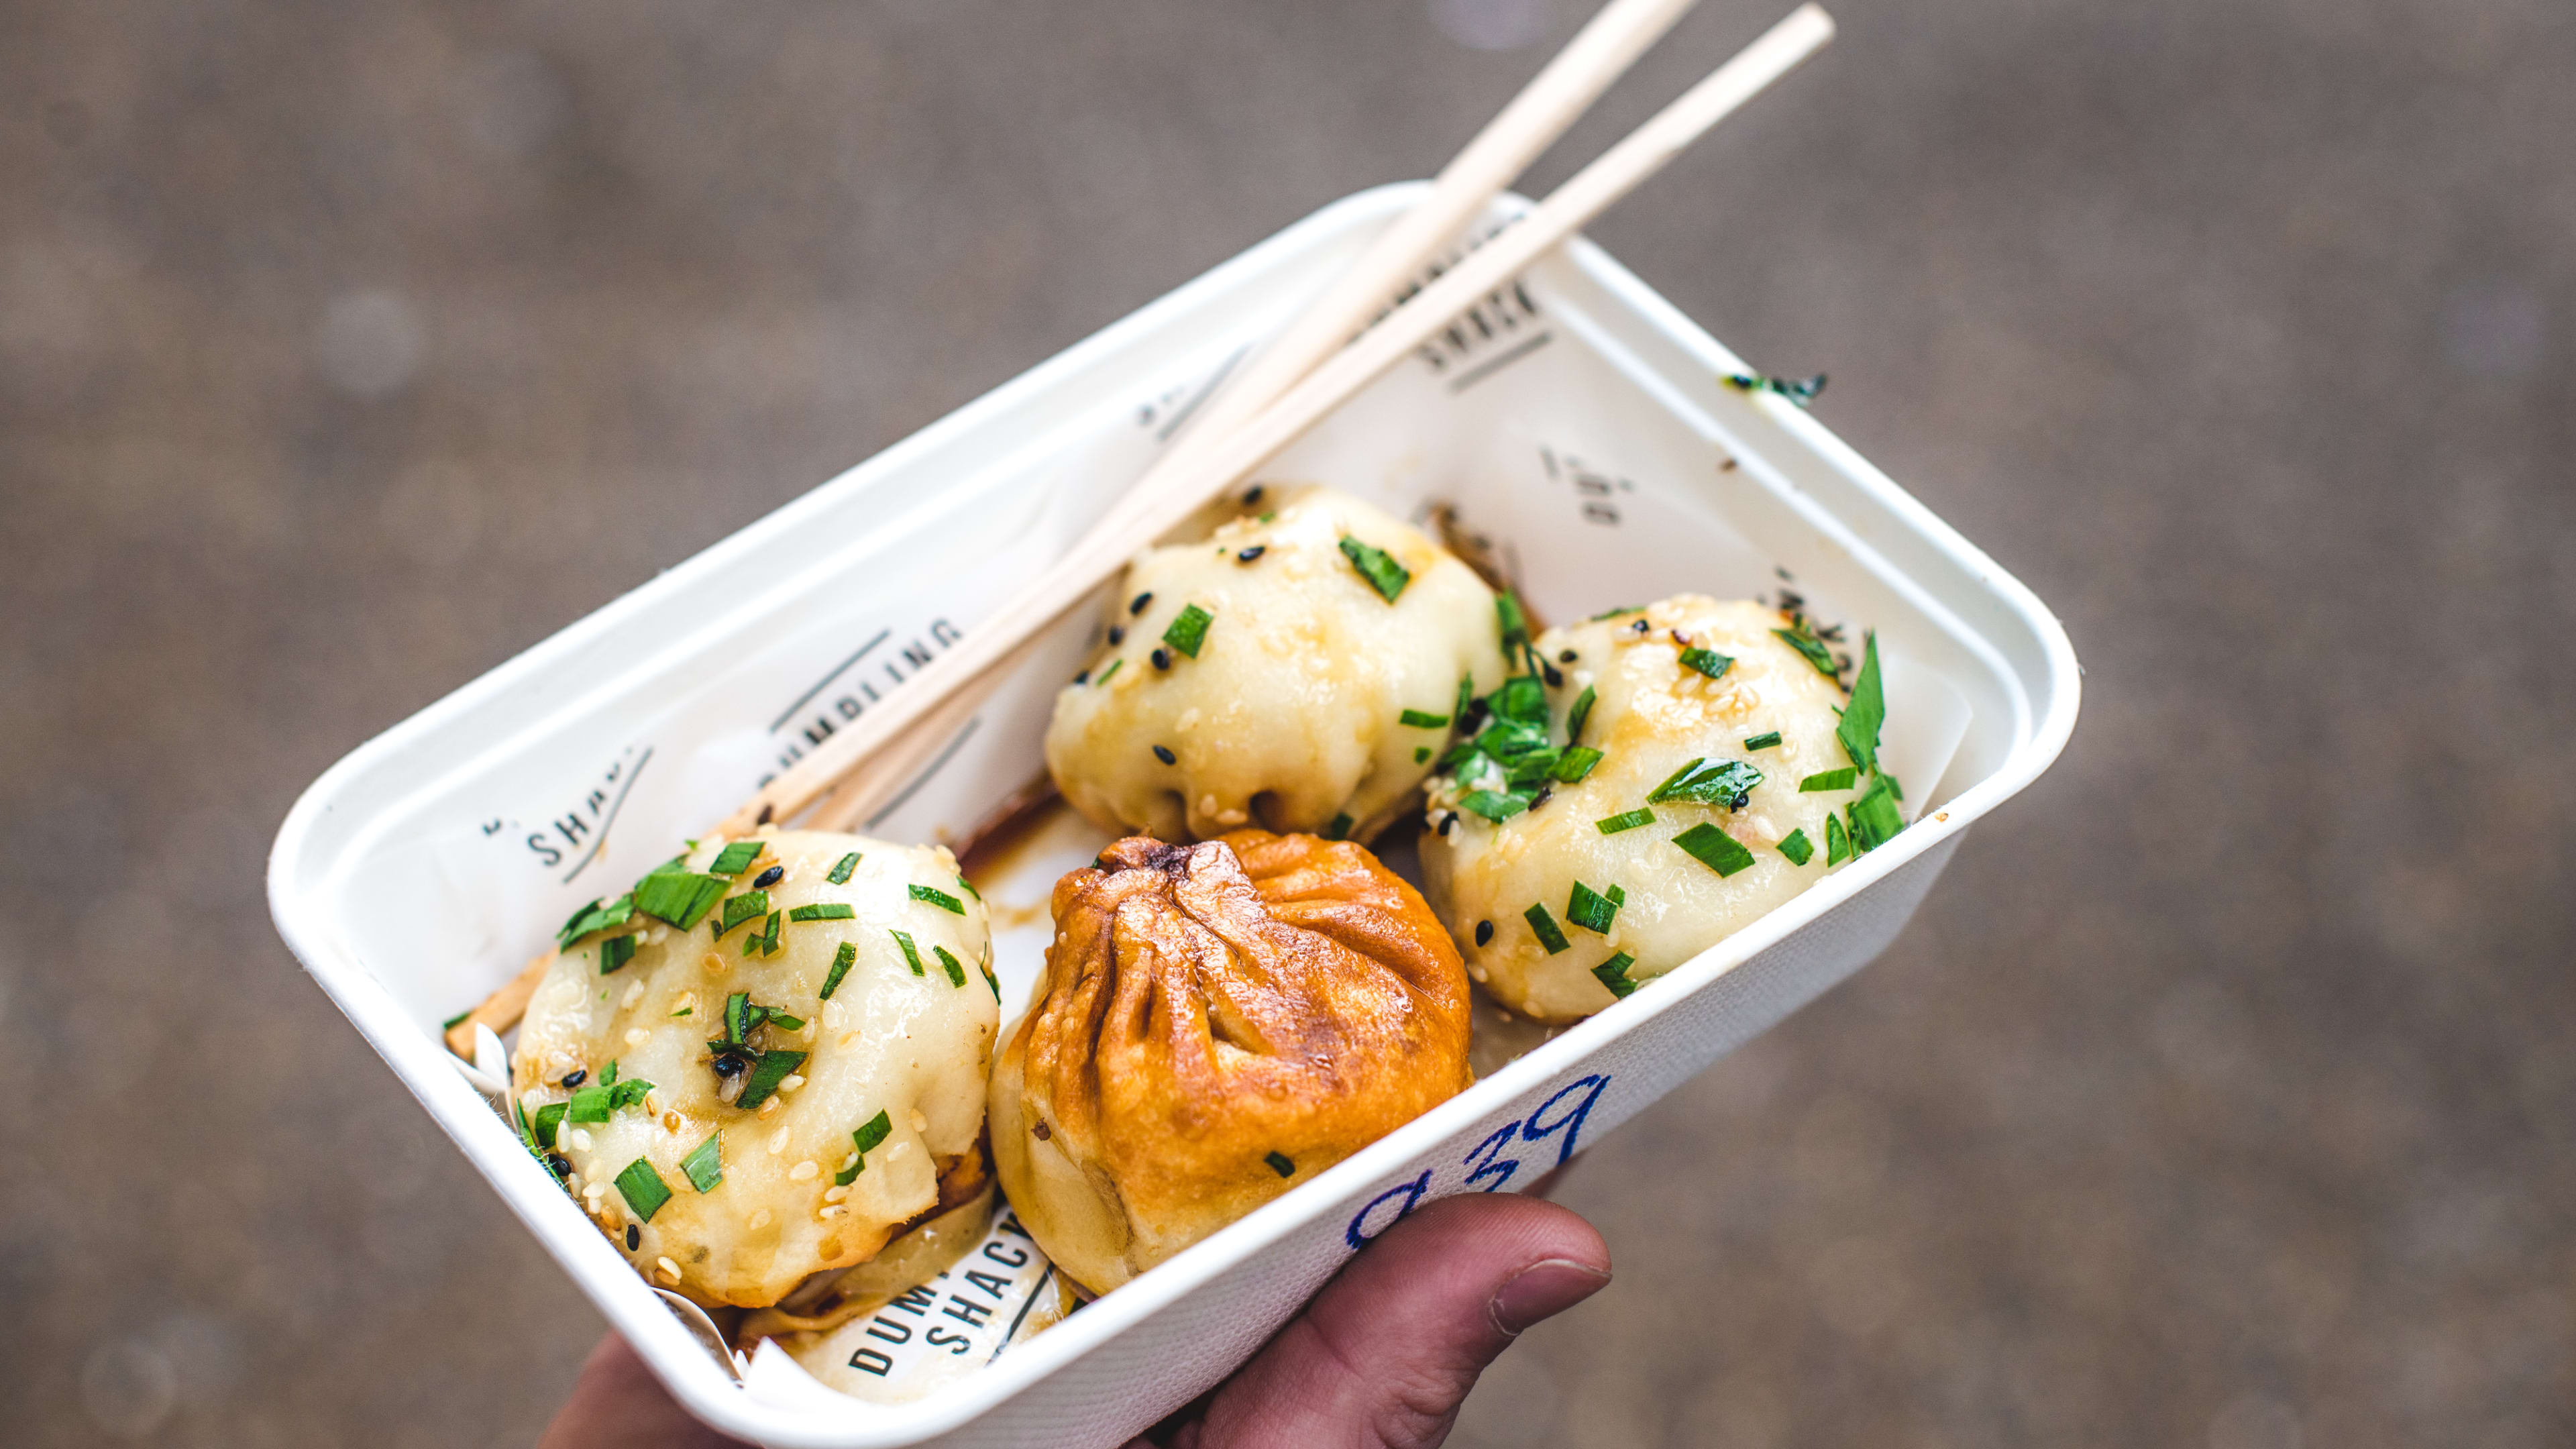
1162	660
1642	627
728	1066
1254	552
634	1237
561	1164
575	1078
1164	754
1137	604
1117	636
1568	657
1540	798
1555	676
1083	678
1484	932
769	877
1253	494
1448	821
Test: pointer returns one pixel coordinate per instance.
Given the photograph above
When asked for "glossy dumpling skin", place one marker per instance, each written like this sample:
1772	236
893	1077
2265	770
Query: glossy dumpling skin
1651	715
1290	715
1217	1023
912	1046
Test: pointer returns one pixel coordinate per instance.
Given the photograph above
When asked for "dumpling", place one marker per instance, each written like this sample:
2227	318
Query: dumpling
1715	797
763	1061
1217	1023
1296	671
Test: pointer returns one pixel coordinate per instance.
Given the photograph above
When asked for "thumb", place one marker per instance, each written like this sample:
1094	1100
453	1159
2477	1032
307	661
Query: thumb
1383	1357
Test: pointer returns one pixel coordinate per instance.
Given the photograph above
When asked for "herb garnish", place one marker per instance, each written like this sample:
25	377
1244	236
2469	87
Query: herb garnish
1189	630
1280	1164
842	961
904	939
1867	710
450	1023
825	911
1874	817
1826	781
1104	674
1626	820
642	1188
766	1074
705	1166
937	897
840	872
1613	973
614	953
1576	717
1763	741
1798	848
1495	806
679	898
871	1132
1339	828
1593	911
1803	639
736	857
1543	926
1837	844
1799	390
949	964
1414	719
1728	783
597	916
1714	848
1574	764
550	1121
1377	566
749	906
1708	662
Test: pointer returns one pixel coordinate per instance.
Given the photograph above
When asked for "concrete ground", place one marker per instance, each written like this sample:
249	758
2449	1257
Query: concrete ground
2220	1095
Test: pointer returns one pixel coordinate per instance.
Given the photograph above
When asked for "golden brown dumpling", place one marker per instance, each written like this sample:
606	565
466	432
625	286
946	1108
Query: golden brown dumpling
1217	1021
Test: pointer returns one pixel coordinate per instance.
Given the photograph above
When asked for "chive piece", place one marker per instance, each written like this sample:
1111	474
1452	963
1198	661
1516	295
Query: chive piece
1512	619
870	1133
1674	781
450	1023
705	1166
608	1074
909	954
840	874
1543	926
589	1104
1867	710
1763	742
784	1022
1798	848
642	1188
990	979
628	1093
826	911
1189	630
1837	845
1104	674
1714	848
1728	783
949	964
1708	662
765	940
737	1018
1874	816
1625	820
1803	639
684	1011
968	887
1494	807
1575	717
614	953
597	916
1575	763
1340	828
1377	566
1415	719
842	961
1421	754
939	898
1466	698
1613	973
1617	896
1829	780
736	857
1280	1164
1592	911
549	1121
680	898
749	906
765	1075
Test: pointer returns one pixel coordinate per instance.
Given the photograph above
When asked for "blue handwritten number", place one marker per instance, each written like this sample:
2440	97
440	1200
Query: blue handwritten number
1411	1192
1491	1150
1538	1129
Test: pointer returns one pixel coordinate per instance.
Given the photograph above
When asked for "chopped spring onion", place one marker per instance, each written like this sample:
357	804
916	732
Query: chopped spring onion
765	1075
680	898
825	911
1798	848
1829	780
1708	662
1763	742
1414	719
1591	910
1714	848
705	1166
937	897
736	857
910	954
642	1188
614	953
1613	973
1626	820
1377	566
1543	926
1189	630
840	874
949	964
842	961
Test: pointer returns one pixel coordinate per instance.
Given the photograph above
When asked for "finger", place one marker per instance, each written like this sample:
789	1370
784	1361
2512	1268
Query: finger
1386	1353
617	1404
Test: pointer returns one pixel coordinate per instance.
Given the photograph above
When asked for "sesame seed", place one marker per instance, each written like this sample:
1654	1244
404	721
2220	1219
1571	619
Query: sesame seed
575	1078
804	1170
669	1269
1164	754
714	963
580	1139
634	1237
637	1036
760	1219
769	1108
834	1211
919	1122
670	1121
835	1194
778	1142
1568	657
1162	660
1254	552
1252	495
769	877
634	993
1117	636
1484	932
848	1162
1137	604
792	1081
1555	676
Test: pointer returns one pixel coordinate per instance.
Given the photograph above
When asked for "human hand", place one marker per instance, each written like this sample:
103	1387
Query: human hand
1381	1359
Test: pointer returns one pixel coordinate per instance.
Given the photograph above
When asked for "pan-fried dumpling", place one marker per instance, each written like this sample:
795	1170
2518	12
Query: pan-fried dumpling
1296	671
1217	1023
765	1060
1568	881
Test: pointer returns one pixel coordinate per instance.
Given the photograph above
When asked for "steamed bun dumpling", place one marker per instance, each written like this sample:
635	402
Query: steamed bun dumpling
1589	886
766	1059
1217	1023
1263	676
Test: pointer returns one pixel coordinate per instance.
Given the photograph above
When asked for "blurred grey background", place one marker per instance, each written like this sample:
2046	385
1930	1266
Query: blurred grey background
2220	1097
